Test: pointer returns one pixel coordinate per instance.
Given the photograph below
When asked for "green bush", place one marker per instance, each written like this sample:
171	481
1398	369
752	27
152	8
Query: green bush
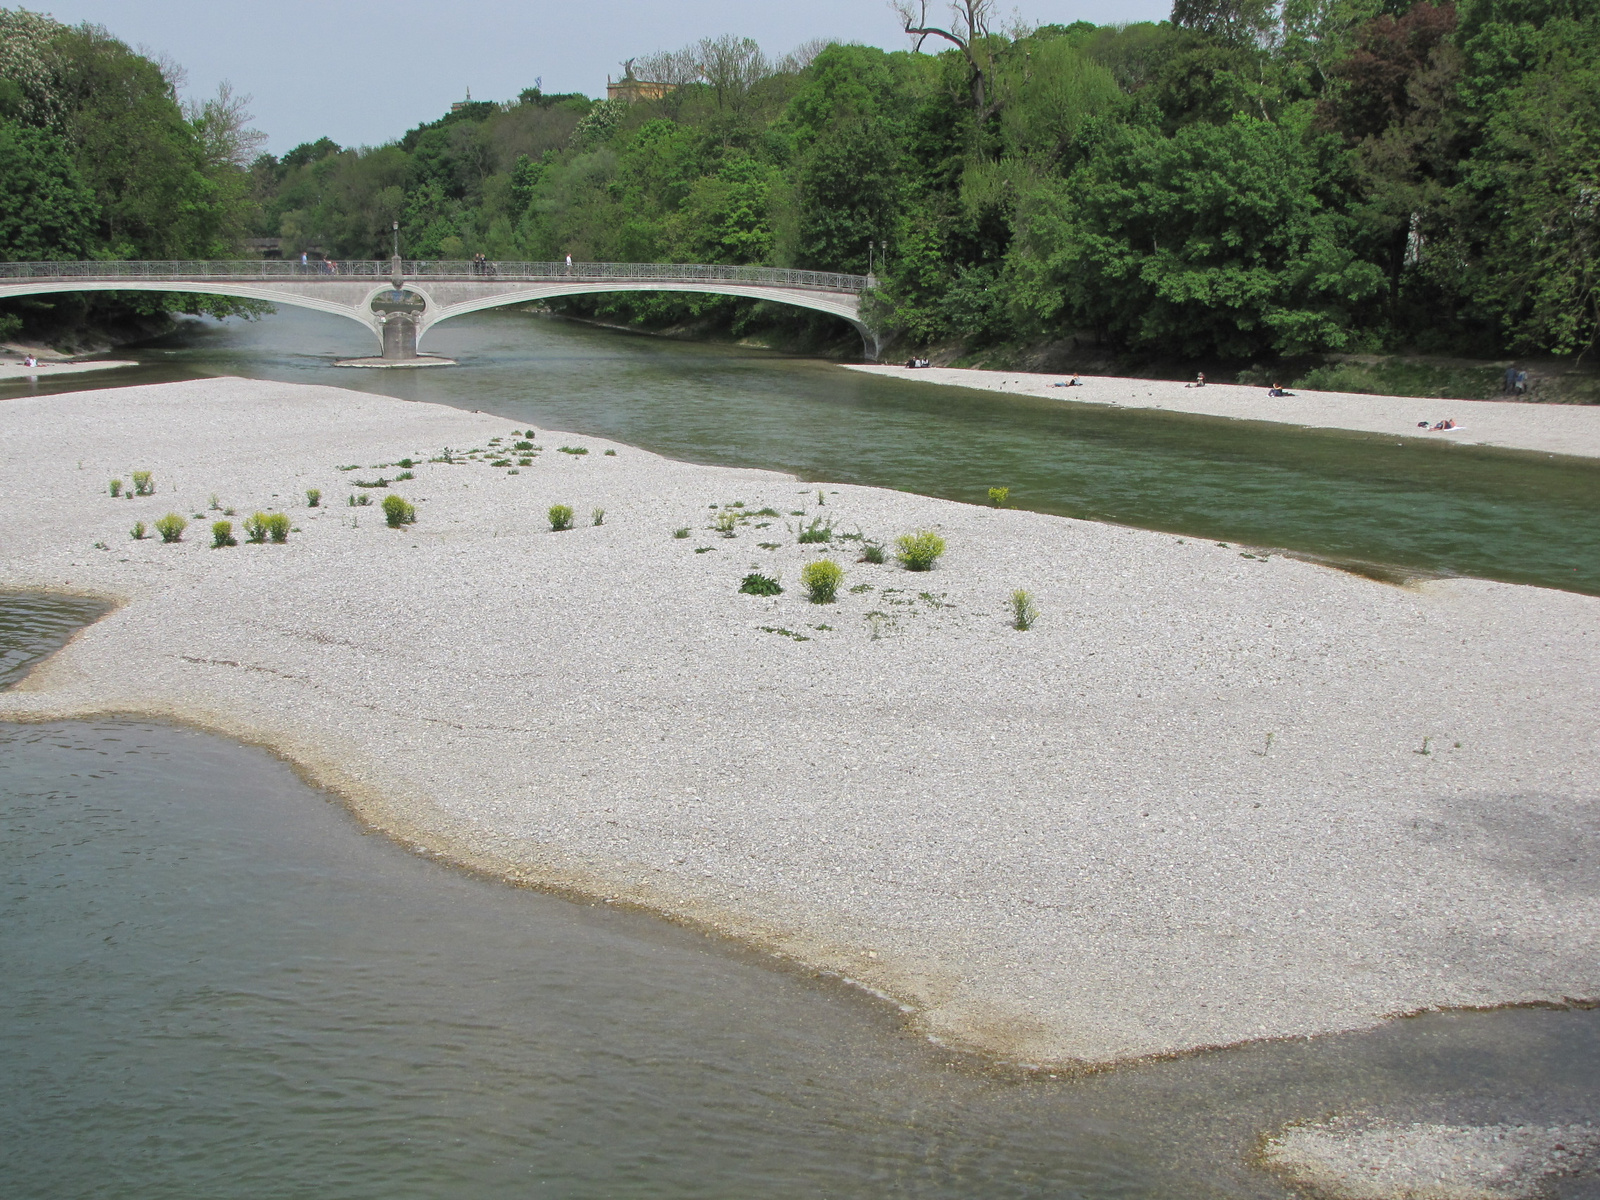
222	535
116	487
756	584
138	533
682	532
919	551
171	527
573	449
611	453
255	528
999	497
397	511
822	579
216	503
313	497
278	527
560	517
817	531
597	517
1024	612
727	524
407	463
871	553
144	483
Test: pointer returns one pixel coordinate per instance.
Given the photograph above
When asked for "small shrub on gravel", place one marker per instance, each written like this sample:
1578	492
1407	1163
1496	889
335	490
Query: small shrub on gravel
397	511
222	535
573	449
216	502
523	446
768	512
871	553
999	497
757	584
919	551
822	579
278	527
597	517
403	476
681	533
560	517
727	524
817	531
407	463
144	483
171	527
255	528
116	487
611	453
1024	612
313	497
138	533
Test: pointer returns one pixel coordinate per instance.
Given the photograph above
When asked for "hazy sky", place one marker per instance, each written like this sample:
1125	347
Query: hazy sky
363	72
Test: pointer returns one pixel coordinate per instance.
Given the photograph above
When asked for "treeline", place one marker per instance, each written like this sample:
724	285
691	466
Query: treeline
100	159
1245	180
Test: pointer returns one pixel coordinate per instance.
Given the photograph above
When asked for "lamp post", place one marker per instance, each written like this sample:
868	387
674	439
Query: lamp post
397	239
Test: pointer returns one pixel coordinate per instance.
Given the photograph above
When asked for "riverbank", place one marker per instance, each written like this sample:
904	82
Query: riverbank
1551	429
1211	797
48	367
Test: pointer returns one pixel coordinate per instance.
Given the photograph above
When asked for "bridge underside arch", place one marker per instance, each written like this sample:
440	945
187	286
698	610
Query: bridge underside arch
442	305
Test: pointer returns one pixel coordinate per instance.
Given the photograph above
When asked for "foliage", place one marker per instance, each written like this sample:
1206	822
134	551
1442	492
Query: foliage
398	511
222	535
560	517
171	527
818	531
313	497
872	553
144	483
1024	612
255	528
821	579
999	496
919	551
756	584
138	533
681	532
597	516
116	487
278	527
727	523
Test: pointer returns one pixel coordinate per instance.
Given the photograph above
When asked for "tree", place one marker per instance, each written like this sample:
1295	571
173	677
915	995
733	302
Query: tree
46	210
1244	23
1211	242
968	31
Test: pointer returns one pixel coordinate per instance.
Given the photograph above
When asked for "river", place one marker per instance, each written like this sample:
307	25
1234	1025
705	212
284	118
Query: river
1407	505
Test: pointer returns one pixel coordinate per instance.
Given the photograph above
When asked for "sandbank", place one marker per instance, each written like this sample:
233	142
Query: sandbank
1213	796
1515	425
47	367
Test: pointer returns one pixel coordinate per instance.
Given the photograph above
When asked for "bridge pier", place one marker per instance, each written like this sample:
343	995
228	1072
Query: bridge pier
399	335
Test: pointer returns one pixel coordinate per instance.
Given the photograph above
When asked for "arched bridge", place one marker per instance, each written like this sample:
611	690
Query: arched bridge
399	300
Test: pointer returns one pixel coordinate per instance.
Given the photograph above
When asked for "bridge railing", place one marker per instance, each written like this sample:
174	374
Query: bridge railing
261	270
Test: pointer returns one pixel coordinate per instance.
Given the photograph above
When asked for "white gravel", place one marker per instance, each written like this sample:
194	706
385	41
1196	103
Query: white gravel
1192	807
1384	1161
1550	428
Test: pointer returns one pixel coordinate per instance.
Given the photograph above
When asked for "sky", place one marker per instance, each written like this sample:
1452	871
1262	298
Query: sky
363	72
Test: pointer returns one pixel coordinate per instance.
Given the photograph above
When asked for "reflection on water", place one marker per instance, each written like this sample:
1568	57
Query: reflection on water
1447	508
216	986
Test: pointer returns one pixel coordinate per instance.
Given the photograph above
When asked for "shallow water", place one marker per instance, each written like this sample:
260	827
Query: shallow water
1419	505
216	984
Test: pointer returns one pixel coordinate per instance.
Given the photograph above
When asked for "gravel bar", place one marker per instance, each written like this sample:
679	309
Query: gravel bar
1214	795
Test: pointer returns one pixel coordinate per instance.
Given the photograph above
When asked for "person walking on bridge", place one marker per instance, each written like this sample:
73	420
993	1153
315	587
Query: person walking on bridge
569	264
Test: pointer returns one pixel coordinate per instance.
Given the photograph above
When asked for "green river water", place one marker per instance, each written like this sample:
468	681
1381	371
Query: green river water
214	984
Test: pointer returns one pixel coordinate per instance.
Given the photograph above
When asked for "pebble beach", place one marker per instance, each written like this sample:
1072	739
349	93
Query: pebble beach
1507	424
1213	795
